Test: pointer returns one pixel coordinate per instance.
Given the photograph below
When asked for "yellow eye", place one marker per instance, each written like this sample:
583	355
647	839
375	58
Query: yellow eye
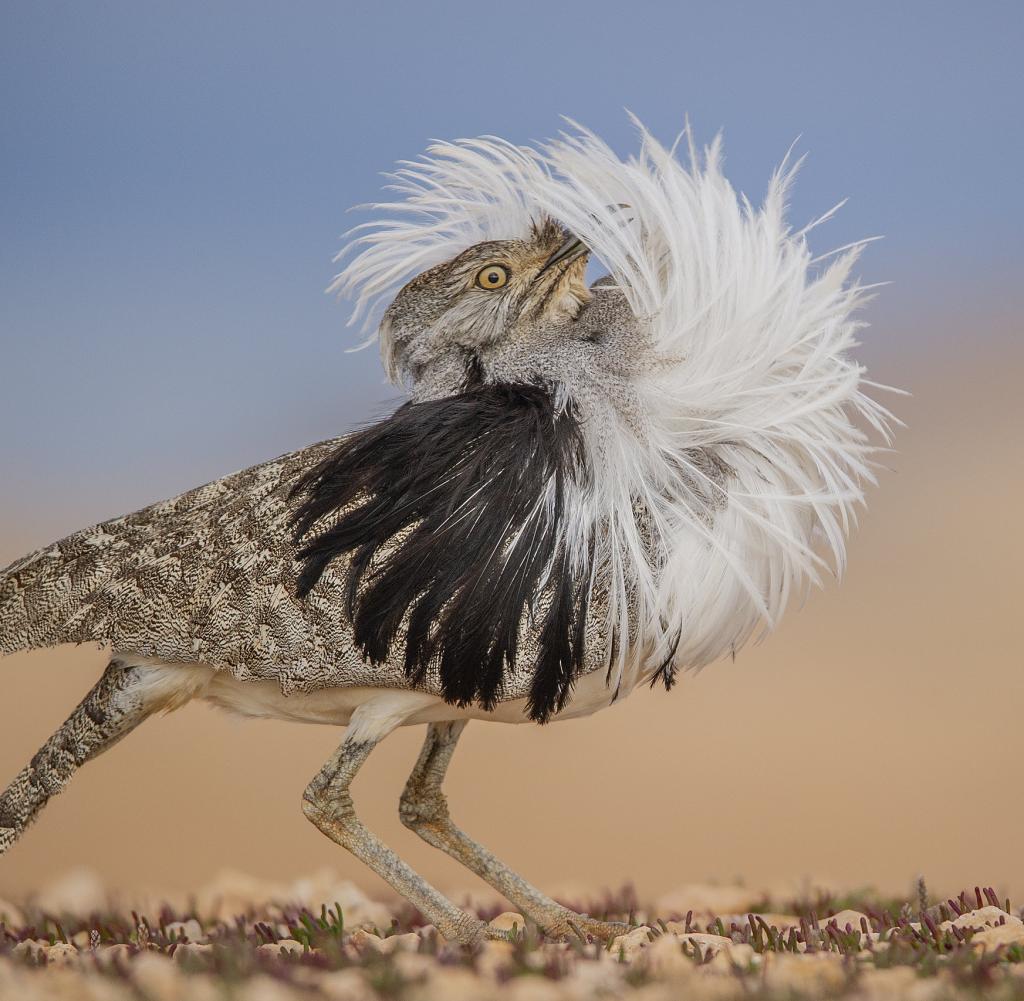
492	277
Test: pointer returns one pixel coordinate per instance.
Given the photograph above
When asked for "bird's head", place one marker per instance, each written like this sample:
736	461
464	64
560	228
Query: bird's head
488	305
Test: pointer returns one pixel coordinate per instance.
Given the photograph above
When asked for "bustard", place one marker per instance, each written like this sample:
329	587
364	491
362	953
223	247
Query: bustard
589	489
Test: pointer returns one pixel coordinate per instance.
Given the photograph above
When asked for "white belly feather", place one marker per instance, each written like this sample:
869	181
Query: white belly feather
170	686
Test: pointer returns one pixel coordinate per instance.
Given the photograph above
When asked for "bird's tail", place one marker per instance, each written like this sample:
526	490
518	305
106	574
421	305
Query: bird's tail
65	592
36	594
112	709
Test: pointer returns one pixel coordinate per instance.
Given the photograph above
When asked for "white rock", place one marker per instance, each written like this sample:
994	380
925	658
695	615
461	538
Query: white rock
742	954
408	942
494	957
992	938
630	945
158	977
345	985
191	930
60	954
983	917
189	951
814	974
31	948
453	983
231	893
414	965
530	989
114	953
284	945
199	987
589	980
78	891
847	917
851	918
11	915
263	988
664	959
708	944
364	940
325	888
507	920
887	984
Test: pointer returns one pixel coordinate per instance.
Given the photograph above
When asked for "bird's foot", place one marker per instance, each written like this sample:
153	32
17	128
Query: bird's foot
569	924
475	931
502	934
558	924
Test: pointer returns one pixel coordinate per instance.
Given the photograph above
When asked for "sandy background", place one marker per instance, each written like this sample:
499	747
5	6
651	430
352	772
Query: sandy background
876	736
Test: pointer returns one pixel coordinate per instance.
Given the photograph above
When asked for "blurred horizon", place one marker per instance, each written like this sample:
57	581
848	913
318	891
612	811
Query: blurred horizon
173	186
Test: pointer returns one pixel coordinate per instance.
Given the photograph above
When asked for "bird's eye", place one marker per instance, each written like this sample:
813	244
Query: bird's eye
493	276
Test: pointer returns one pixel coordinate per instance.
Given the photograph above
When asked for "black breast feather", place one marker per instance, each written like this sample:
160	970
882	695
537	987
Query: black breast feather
450	514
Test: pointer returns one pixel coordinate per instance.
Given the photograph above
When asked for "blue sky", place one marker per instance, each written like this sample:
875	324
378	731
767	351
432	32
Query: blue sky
174	180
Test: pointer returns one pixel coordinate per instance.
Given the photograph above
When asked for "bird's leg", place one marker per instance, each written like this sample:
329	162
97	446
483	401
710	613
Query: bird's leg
327	802
424	809
115	706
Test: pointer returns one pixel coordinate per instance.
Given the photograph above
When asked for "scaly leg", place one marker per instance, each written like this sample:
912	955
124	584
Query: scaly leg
424	809
113	708
327	802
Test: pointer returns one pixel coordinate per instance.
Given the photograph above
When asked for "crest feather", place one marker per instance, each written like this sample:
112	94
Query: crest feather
755	337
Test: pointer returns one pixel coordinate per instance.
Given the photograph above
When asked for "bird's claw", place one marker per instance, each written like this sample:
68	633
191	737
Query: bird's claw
584	928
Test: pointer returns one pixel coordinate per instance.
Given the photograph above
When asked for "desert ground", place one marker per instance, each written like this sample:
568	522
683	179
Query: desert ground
873	740
238	937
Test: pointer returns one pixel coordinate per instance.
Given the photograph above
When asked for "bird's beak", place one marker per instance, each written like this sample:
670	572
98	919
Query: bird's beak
572	248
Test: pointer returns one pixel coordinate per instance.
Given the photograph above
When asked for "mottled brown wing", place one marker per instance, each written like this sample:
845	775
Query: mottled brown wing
205	577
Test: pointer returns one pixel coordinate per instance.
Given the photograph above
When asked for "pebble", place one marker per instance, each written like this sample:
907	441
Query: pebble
231	893
31	948
115	953
191	930
847	917
364	940
664	959
284	946
991	938
158	976
814	974
507	921
743	955
344	985
494	956
60	954
78	891
452	983
11	915
191	951
529	989
887	984
600	979
983	917
707	943
630	945
414	965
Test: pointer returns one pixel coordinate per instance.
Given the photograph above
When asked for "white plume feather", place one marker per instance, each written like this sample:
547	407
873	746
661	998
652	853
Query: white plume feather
755	341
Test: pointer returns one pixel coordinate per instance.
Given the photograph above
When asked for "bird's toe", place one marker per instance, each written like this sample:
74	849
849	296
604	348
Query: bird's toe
582	926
